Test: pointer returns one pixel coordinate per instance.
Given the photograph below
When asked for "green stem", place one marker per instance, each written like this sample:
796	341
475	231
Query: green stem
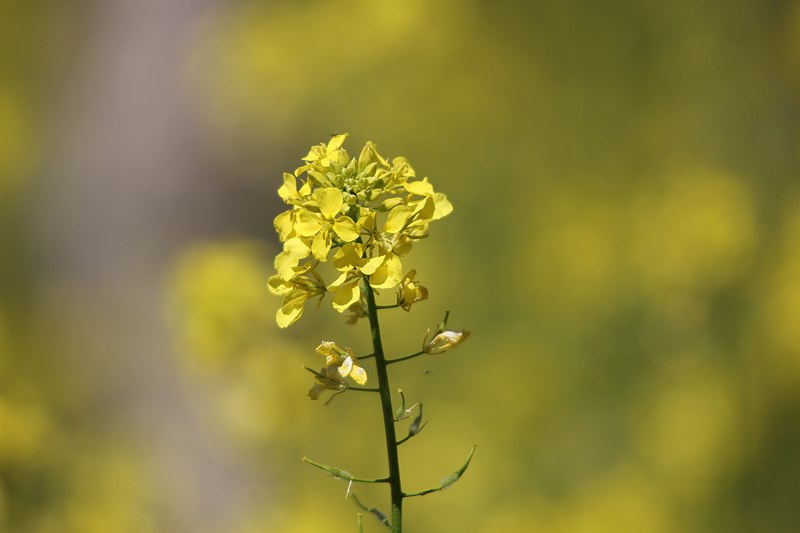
388	413
406	358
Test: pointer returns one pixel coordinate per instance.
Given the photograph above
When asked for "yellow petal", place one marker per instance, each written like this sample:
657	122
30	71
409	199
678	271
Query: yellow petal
306	223
424	209
388	274
314	153
367	221
348	256
277	285
365	157
371	265
346	295
346	229
389	203
326	348
336	142
295	247
358	374
288	191
403	245
291	309
421	188
401	165
294	250
338	281
321	245
329	200
443	206
370	154
283	225
397	218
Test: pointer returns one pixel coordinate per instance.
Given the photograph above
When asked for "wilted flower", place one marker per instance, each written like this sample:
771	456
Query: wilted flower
327	379
357	310
444	340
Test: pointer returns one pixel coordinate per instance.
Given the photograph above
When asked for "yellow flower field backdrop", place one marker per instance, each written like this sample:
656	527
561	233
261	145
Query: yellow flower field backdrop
624	247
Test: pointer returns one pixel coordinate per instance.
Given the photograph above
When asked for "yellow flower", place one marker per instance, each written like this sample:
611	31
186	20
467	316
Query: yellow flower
410	291
323	155
330	200
289	192
294	251
305	283
344	360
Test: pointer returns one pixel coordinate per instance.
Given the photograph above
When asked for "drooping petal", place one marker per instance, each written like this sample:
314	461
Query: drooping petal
346	295
291	309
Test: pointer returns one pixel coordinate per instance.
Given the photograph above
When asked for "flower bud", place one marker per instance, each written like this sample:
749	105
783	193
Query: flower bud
416	425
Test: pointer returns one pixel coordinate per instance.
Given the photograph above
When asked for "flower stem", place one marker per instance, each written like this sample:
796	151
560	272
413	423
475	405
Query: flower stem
407	357
388	413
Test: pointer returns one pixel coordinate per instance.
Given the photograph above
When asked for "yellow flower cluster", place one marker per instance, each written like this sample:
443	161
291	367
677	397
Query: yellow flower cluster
363	214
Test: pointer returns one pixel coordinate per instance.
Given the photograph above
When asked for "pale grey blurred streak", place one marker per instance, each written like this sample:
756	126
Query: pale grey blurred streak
129	178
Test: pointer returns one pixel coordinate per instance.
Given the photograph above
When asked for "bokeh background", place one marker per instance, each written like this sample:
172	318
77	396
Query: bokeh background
625	248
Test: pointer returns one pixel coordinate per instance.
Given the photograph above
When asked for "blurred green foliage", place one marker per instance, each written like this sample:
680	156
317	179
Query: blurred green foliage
625	248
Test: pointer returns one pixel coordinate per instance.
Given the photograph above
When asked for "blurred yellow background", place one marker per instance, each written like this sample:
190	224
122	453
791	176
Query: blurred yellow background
625	248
